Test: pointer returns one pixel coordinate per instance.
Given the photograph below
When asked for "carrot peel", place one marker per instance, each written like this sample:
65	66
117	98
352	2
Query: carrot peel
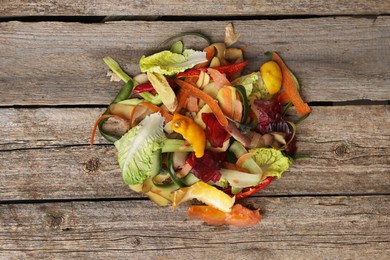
168	117
241	160
206	98
290	85
97	124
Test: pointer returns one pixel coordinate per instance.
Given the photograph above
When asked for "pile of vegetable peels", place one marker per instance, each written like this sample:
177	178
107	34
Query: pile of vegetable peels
193	125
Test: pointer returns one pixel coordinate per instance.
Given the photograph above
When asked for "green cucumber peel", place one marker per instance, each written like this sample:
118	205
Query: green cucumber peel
245	103
250	164
177	47
123	94
172	172
196	34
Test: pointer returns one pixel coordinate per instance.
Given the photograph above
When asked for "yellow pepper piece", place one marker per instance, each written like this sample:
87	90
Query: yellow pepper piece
191	131
205	193
272	76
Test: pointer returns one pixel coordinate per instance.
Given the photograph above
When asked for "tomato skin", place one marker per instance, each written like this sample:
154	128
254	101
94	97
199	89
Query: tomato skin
242	216
208	214
239	216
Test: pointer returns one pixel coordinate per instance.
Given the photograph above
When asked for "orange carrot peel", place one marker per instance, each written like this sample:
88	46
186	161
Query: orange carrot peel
182	100
95	126
241	160
290	85
168	117
193	90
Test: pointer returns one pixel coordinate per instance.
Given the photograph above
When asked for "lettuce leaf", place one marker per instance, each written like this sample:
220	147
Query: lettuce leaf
169	63
247	81
137	146
254	86
260	91
272	161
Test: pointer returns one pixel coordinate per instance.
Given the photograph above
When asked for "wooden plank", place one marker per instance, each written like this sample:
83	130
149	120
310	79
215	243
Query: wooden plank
61	173
292	228
26	128
336	59
194	8
349	147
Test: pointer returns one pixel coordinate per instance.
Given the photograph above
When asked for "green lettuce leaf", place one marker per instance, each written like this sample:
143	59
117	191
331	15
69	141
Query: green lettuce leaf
271	161
169	63
137	146
254	86
247	81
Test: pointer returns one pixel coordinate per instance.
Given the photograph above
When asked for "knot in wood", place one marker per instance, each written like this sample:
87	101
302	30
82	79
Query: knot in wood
136	241
92	165
341	150
55	219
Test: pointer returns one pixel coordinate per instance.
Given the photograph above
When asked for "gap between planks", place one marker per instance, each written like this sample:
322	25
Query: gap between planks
171	18
129	199
202	8
361	102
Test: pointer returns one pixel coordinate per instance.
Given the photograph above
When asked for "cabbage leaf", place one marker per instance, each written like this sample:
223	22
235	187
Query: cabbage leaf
247	81
169	63
254	86
271	161
137	146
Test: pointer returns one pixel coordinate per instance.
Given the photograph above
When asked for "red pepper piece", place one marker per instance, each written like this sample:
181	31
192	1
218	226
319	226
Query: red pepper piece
229	70
148	87
215	132
189	73
144	87
246	192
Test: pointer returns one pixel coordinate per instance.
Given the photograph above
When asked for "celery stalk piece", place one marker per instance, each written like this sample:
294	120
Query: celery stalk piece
250	164
175	145
154	99
115	67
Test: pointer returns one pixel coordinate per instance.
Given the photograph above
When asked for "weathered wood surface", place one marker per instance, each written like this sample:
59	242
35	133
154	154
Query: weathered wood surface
45	155
27	128
61	199
192	8
292	228
50	63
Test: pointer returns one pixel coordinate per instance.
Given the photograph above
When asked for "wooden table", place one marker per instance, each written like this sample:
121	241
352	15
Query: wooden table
60	199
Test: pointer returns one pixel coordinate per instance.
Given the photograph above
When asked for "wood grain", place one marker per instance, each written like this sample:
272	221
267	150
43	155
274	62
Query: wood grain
49	63
292	228
27	128
45	155
197	8
61	199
